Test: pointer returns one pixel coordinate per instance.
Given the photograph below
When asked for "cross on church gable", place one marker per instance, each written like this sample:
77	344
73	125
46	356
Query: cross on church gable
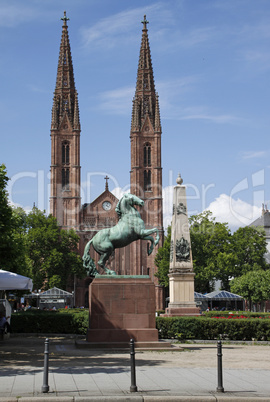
106	184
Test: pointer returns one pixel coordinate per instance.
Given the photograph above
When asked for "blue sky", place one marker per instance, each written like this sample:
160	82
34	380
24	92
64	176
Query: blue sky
211	62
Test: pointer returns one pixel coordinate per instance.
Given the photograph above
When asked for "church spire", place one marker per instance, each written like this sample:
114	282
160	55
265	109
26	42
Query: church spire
65	141
145	100
145	163
65	102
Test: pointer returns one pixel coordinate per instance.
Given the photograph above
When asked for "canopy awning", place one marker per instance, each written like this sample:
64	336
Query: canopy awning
223	295
12	281
199	296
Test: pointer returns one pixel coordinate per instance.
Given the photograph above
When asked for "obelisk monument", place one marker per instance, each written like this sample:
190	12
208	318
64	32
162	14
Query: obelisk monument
181	274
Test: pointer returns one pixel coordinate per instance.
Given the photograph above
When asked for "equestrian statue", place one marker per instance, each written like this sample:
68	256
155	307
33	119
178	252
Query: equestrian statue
129	228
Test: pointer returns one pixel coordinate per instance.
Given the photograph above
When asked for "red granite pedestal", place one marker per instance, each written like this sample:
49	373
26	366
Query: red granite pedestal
121	308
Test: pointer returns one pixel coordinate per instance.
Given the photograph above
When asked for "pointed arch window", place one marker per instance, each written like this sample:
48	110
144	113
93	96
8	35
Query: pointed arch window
147	180
147	154
65	153
65	179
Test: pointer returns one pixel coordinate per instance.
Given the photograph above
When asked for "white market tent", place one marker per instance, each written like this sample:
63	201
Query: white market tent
11	281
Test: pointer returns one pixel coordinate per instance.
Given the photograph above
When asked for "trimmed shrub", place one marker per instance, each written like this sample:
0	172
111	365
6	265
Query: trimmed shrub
213	328
71	321
75	321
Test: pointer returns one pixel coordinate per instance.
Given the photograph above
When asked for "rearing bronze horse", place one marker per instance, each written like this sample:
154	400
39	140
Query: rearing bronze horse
129	228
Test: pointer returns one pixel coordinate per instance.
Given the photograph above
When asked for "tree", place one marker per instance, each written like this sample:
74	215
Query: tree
20	260
162	261
249	245
210	243
53	252
253	286
5	221
12	250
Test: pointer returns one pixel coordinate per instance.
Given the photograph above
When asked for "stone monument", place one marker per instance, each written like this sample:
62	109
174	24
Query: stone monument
181	275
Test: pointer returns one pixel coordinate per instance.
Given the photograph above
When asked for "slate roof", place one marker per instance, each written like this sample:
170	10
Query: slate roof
263	220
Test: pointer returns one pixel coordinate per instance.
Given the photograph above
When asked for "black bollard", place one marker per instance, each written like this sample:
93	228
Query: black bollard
219	361
133	387
45	387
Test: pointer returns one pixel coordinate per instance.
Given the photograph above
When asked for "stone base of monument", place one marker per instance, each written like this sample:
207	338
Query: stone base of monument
122	308
181	287
173	311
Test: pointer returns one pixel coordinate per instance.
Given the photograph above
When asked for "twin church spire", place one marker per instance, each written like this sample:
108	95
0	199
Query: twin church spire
145	102
145	135
65	101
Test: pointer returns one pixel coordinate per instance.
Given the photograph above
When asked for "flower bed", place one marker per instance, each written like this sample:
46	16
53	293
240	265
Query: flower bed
240	317
240	314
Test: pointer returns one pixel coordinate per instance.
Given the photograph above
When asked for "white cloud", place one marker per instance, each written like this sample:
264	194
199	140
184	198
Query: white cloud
253	154
167	194
118	192
260	58
197	113
236	213
221	118
117	101
197	37
225	209
106	32
13	15
171	94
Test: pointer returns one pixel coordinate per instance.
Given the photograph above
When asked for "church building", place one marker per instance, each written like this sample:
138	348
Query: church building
145	169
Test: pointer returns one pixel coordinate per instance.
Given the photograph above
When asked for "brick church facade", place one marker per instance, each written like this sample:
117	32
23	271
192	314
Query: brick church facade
145	169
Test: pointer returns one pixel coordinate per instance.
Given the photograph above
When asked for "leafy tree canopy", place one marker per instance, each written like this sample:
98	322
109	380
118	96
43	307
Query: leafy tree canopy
217	253
162	260
253	286
12	257
210	243
53	252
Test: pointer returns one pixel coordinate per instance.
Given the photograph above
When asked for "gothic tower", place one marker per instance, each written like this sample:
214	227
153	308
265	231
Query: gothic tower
65	141
146	170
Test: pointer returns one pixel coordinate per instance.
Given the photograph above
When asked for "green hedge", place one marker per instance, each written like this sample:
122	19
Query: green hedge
71	321
75	321
204	328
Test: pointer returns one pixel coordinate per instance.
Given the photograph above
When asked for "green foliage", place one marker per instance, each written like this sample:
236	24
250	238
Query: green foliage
53	252
20	258
253	286
75	321
204	328
10	244
249	245
210	242
33	245
162	260
70	321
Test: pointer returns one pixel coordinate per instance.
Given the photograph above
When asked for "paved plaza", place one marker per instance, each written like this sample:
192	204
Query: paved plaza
102	375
